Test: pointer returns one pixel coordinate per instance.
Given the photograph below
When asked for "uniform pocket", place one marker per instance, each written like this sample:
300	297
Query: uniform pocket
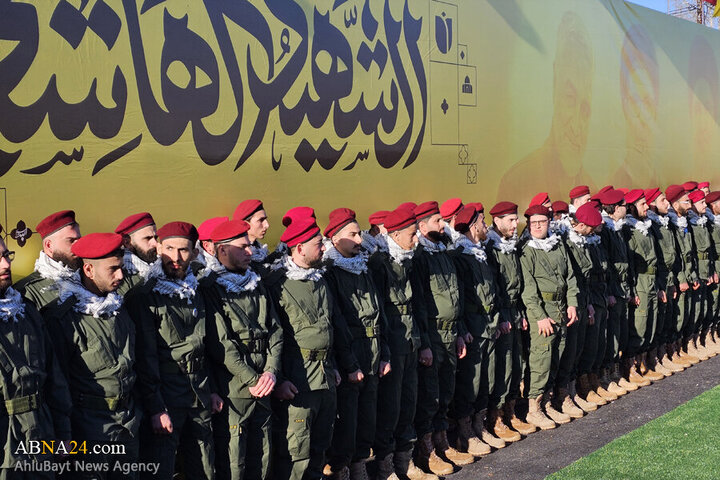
298	434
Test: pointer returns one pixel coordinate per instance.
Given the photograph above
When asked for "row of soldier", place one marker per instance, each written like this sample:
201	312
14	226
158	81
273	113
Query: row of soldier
203	353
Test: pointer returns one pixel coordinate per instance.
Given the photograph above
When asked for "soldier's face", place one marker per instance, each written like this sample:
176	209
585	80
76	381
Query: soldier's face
176	254
59	245
584	229
700	207
312	251
642	207
348	240
5	270
432	227
258	225
507	225
235	255
705	190
105	273
481	229
682	205
143	243
662	204
406	238
580	201
539	225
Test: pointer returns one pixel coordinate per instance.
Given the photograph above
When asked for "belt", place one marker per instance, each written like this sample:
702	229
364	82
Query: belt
366	332
445	324
257	345
95	402
313	355
24	404
393	309
703	255
648	271
191	366
553	296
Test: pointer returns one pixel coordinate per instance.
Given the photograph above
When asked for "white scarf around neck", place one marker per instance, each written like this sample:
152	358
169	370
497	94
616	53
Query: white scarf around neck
678	221
430	246
695	219
355	265
52	269
295	272
661	220
469	248
503	245
87	302
12	306
397	253
576	238
183	289
616	225
136	265
546	244
642	226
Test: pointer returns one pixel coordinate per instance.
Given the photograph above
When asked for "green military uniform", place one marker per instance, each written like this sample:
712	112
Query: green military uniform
97	354
685	272
443	300
549	288
399	293
599	277
135	273
667	264
358	302
642	247
714	227
261	260
173	373
39	286
618	286
311	347
483	376
581	335
705	254
35	397
244	340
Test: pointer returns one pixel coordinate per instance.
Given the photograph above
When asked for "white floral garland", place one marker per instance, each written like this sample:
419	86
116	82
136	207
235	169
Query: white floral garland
661	220
616	225
696	219
678	221
643	226
87	302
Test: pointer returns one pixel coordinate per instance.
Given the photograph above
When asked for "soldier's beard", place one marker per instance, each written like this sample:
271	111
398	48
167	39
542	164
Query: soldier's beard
175	273
435	237
148	256
5	283
71	262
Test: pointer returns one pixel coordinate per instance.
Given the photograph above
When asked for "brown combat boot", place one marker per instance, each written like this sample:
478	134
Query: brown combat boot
634	376
703	352
599	389
498	427
429	461
483	433
584	405
358	471
510	417
341	474
536	416
643	369
405	467
444	450
467	440
386	468
555	415
586	391
608	378
687	351
678	356
655	365
622	381
710	343
665	358
566	405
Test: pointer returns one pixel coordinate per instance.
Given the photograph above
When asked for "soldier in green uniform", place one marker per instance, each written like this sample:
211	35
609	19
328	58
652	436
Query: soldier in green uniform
56	261
173	374
357	301
685	273
244	340
140	242
253	212
483	378
315	341
374	239
447	333
34	394
400	295
668	261
206	248
505	250
713	213
94	338
550	296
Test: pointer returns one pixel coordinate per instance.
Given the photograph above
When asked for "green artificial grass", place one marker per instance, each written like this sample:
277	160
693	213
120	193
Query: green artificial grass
682	444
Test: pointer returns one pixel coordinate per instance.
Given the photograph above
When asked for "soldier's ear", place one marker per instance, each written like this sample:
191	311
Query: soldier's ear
88	270
47	246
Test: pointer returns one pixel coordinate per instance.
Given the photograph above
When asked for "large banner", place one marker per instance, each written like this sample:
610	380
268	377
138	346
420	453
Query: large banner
183	109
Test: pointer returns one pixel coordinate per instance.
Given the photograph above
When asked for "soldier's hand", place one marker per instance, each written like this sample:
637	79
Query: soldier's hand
216	403
461	348
286	390
611	300
525	324
635	300
505	327
684	287
716	278
338	377
384	368
425	357
161	423
468	338
264	385
545	326
573	316
709	281
356	376
662	296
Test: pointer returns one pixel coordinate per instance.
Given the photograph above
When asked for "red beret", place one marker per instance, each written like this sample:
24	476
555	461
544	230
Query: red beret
606	188
537	210
408	206
339	218
634	195
712	197
651	194
178	229
134	223
579	191
696	196
399	219
560	207
703	185
55	222
205	229
246	209
299	231
465	219
297	213
97	245
674	193
503	208
478	206
450	208
427	209
229	230
611	197
539	199
588	215
624	190
378	218
690	186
